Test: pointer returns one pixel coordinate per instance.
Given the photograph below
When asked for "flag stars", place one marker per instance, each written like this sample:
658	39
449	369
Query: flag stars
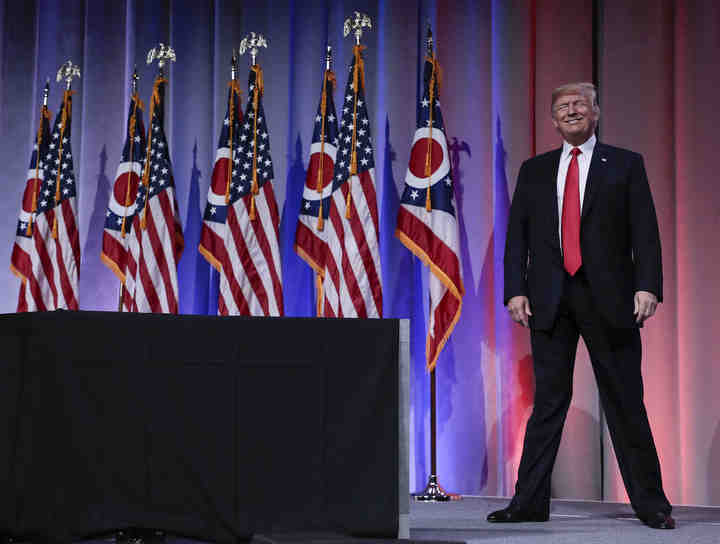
425	102
414	195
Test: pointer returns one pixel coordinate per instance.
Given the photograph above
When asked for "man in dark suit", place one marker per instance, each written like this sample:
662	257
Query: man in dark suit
583	259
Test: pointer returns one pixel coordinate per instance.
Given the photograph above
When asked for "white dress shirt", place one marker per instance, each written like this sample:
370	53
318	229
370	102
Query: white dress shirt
583	168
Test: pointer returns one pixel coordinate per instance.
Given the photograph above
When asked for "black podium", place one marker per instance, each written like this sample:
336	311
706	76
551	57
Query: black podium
208	427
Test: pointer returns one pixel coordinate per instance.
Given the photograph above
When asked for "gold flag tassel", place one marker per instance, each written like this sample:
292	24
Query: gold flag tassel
154	101
328	79
66	114
44	114
257	93
137	103
234	91
428	155
358	81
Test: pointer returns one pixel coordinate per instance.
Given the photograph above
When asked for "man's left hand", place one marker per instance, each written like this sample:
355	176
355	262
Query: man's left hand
645	305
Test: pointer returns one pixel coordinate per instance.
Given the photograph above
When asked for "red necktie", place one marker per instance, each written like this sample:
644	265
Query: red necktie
571	217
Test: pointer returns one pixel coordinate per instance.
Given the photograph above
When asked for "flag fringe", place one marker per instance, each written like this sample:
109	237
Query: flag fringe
456	290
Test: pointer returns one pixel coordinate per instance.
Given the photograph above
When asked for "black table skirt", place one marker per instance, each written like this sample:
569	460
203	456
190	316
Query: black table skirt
208	427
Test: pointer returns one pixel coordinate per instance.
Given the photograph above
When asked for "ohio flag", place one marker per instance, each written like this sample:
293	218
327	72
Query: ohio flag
427	222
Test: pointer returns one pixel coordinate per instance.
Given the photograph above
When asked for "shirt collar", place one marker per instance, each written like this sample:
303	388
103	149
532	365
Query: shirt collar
586	148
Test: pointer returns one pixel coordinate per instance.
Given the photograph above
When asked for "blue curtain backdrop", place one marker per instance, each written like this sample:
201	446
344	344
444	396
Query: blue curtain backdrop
500	61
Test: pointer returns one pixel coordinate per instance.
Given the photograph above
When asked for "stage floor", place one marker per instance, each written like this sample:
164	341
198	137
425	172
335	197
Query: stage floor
571	522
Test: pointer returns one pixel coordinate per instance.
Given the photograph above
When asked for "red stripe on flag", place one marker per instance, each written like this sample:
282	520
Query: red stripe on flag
72	231
264	244
44	256
445	314
246	261
65	285
309	247
348	273
157	248
363	246
440	255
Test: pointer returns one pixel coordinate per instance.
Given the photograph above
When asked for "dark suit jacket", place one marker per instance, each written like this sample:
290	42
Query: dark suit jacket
619	237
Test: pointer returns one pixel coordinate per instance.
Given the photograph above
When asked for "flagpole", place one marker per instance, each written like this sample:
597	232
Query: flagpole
433	491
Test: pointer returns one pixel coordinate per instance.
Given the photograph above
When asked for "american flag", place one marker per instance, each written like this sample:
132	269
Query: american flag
122	206
241	220
155	237
46	254
352	284
310	236
427	223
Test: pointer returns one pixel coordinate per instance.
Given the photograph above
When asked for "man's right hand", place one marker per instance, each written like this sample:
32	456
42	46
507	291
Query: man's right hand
519	308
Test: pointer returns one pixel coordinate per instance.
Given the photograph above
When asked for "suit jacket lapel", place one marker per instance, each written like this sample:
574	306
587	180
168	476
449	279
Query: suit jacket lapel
553	166
596	176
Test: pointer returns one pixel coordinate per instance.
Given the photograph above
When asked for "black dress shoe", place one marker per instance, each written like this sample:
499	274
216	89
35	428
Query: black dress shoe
512	515
659	520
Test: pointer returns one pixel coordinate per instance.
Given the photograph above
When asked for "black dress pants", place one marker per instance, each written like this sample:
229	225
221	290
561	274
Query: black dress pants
615	356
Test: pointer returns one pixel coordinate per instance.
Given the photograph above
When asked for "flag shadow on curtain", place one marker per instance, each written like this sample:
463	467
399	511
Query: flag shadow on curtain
99	288
470	449
507	345
193	269
402	275
298	277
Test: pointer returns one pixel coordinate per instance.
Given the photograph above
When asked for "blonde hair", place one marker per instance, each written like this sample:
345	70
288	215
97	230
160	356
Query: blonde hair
584	88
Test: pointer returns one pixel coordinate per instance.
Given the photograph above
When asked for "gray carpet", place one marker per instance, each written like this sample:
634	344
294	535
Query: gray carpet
571	522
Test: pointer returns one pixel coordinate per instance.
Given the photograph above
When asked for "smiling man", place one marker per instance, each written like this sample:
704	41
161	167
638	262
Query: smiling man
583	259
